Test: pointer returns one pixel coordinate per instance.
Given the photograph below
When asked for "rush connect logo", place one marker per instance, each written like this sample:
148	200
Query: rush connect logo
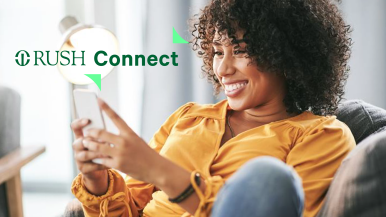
23	61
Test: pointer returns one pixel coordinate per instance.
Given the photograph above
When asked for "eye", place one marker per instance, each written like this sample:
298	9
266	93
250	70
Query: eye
239	52
218	53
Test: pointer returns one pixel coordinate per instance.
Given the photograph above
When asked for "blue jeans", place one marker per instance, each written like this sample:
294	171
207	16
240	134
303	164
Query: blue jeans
262	187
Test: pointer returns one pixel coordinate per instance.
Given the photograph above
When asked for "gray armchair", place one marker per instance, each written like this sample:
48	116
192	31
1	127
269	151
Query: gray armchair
359	186
9	133
12	156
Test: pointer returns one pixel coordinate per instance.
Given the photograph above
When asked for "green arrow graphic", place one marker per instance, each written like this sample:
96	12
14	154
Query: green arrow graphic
96	78
177	39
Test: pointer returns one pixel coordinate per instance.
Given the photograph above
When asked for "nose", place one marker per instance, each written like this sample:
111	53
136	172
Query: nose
225	67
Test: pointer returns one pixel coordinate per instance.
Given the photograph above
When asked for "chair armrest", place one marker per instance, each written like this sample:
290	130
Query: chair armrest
11	163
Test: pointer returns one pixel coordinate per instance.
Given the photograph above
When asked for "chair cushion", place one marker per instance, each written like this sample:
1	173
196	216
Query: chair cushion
362	118
359	186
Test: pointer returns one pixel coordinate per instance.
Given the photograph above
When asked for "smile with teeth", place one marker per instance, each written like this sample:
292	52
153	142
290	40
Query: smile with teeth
235	86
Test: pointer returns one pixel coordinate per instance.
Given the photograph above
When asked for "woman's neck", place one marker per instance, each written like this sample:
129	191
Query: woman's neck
261	115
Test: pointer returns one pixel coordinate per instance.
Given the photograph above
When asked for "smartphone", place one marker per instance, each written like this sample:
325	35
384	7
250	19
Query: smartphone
86	105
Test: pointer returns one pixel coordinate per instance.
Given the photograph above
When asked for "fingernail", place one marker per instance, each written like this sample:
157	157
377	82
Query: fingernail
85	143
84	121
97	161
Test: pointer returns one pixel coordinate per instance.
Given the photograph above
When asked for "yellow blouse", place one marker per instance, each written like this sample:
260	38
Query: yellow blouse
313	145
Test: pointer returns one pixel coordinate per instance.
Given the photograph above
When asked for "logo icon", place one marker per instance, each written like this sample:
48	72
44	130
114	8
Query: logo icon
23	61
177	39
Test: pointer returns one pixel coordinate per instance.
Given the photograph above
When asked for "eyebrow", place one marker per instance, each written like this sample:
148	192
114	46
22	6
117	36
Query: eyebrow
236	41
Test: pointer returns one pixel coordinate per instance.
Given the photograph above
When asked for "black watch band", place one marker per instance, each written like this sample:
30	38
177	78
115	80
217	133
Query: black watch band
188	191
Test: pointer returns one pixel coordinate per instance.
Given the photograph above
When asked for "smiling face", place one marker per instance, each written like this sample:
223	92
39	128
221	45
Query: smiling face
244	85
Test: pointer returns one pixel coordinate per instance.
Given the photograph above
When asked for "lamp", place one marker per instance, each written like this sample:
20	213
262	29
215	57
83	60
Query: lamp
89	38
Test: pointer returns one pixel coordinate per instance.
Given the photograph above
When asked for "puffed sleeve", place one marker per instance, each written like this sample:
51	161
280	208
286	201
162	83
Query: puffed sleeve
316	156
125	196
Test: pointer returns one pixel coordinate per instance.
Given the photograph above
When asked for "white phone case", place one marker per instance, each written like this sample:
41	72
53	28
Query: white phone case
86	105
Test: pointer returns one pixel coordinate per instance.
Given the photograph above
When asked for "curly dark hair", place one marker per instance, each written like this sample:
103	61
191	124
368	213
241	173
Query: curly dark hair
306	41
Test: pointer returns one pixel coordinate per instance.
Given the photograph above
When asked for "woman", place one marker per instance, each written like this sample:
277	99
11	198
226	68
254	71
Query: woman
270	149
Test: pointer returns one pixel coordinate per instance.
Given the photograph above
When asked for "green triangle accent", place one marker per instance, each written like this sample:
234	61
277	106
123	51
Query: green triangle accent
177	39
96	78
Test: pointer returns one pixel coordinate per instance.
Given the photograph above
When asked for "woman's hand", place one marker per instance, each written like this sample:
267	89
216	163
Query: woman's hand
83	156
94	175
131	155
126	152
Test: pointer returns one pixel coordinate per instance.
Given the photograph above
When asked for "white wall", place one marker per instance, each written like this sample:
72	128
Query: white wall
130	20
367	80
